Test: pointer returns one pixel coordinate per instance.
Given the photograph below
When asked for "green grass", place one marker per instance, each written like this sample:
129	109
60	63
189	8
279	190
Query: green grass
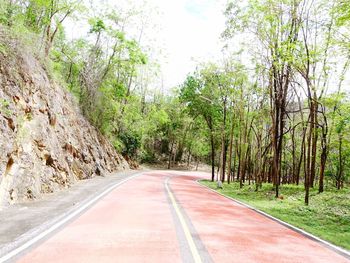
327	216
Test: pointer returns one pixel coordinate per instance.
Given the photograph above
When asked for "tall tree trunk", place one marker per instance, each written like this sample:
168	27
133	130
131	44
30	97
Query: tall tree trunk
322	168
239	169
223	145
314	141
293	171
212	144
324	152
308	161
302	155
189	157
170	154
340	171
234	162
229	165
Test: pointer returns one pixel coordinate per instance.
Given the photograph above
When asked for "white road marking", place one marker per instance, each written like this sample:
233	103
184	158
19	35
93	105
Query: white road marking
302	232
62	222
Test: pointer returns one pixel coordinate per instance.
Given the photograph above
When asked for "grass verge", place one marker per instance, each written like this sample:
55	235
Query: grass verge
327	216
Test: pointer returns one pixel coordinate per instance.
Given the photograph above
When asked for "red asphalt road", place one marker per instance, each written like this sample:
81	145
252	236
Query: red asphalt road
134	223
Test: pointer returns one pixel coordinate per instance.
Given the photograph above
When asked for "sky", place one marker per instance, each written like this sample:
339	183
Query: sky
190	31
185	33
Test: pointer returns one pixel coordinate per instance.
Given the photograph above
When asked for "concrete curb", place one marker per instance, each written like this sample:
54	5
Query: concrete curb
336	249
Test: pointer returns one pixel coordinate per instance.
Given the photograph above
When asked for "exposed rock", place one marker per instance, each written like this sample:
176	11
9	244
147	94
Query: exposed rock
132	164
10	123
52	118
46	144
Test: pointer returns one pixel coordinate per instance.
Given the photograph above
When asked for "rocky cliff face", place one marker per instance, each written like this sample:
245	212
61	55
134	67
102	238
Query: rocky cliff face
45	142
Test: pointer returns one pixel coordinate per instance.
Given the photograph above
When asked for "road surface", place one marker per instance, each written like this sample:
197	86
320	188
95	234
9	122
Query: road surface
163	216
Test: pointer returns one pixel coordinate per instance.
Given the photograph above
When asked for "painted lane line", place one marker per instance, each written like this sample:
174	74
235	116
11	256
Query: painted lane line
325	243
43	234
191	244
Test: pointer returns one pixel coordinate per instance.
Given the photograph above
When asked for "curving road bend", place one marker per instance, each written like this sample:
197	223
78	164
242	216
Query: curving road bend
167	216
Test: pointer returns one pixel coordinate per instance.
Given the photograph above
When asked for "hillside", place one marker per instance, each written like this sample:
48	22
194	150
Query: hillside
46	144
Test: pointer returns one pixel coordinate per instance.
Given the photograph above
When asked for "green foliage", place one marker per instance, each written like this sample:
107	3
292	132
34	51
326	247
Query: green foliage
5	108
342	12
97	25
131	143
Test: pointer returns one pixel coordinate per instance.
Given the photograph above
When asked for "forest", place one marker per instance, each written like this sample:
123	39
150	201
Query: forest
275	109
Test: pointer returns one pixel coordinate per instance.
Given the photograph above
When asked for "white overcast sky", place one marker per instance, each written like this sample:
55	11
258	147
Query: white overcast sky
190	31
186	32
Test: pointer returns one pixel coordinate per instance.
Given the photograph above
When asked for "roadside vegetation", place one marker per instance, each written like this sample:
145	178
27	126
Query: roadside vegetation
328	216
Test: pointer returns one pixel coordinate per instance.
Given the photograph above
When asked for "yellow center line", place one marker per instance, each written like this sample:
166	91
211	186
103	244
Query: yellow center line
191	244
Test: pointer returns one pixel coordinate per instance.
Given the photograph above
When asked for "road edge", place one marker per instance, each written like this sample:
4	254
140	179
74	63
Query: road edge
55	224
325	243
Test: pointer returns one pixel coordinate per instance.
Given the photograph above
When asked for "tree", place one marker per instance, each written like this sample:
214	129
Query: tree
198	94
